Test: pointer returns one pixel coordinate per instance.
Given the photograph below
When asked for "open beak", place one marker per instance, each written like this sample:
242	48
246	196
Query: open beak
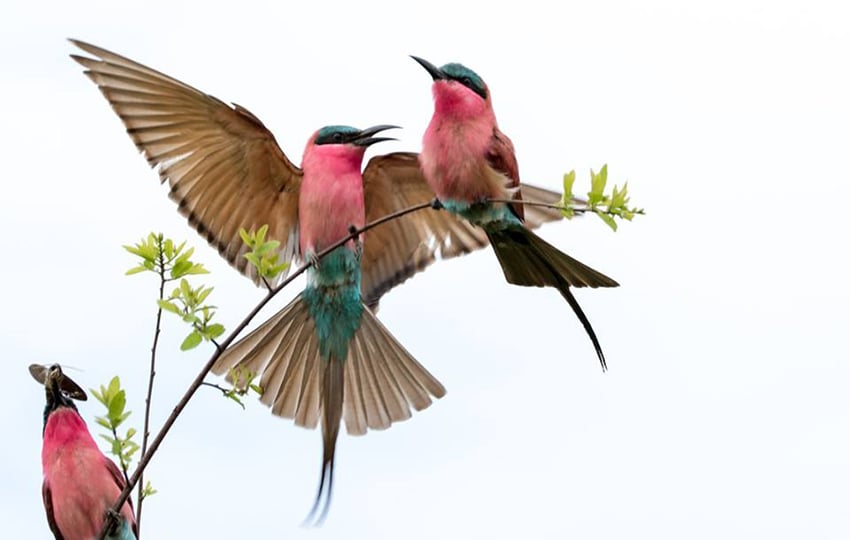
365	137
433	70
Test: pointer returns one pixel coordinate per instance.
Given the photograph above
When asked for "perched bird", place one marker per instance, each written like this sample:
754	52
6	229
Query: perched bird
80	483
326	356
468	161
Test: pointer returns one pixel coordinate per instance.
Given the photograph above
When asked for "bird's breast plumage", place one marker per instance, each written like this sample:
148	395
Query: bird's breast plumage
77	475
329	204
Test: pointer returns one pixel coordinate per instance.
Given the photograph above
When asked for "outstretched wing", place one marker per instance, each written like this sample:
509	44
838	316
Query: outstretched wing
223	166
398	249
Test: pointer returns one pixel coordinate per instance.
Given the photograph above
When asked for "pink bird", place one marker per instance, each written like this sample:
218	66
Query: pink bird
80	483
467	161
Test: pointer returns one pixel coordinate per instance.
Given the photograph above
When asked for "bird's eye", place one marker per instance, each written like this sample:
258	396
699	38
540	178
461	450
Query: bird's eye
466	81
337	137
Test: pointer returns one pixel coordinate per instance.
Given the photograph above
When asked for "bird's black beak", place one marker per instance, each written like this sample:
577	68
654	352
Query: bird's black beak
433	70
365	137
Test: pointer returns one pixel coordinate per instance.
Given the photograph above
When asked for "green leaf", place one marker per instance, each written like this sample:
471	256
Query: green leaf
215	330
168	306
232	395
114	388
260	237
197	269
253	259
103	422
98	395
246	238
597	186
608	220
267	247
192	340
569	180
204	292
107	438
135	270
185	289
168	248
180	269
116	407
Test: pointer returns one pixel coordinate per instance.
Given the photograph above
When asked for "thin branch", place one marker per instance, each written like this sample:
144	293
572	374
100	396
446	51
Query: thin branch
576	209
199	379
146	433
541	204
121	457
218	387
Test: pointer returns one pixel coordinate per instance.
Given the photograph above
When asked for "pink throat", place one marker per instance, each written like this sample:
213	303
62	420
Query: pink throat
456	143
454	100
331	197
65	429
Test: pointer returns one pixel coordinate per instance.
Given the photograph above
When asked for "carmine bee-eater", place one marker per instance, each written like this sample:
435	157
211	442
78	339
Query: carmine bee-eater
326	356
80	483
468	161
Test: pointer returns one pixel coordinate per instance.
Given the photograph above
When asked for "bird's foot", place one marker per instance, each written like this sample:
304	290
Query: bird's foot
313	259
436	204
113	521
358	244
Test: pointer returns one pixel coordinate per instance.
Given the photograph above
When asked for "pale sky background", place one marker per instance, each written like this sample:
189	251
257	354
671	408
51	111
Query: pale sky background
725	412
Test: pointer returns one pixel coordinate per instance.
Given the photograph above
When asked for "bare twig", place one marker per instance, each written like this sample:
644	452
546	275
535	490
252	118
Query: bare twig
218	387
199	379
146	432
524	202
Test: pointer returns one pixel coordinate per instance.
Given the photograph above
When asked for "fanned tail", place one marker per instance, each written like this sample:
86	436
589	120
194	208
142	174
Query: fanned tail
376	385
530	261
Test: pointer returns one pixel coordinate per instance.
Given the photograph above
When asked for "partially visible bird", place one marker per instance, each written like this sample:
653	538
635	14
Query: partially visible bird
467	161
80	483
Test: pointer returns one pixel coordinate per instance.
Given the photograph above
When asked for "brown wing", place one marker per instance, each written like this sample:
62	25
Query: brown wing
536	216
223	166
501	157
397	250
48	508
121	483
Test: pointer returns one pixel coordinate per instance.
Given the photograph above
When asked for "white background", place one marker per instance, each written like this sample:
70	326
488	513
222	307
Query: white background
725	412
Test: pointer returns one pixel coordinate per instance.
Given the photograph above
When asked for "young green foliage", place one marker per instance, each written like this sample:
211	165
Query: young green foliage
165	258
162	256
244	383
264	255
188	302
606	206
114	399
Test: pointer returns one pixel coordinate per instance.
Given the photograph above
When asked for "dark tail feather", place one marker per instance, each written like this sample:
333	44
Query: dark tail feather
571	300
530	261
333	396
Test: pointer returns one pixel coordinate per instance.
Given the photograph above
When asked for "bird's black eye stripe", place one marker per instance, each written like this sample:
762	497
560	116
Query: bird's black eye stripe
337	137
